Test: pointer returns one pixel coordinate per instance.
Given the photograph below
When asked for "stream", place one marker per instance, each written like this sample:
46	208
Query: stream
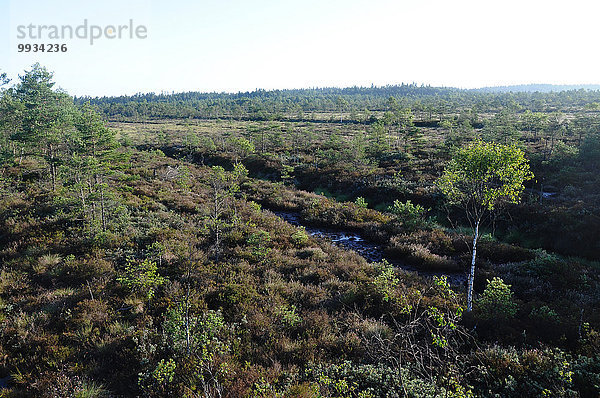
371	251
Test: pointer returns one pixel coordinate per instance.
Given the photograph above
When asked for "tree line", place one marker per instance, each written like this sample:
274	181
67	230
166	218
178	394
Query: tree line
354	104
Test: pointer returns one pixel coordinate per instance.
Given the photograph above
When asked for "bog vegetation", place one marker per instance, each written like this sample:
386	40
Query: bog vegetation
141	253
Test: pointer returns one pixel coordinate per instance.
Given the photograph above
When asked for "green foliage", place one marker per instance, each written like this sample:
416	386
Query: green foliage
288	315
513	373
259	244
186	333
443	322
199	343
377	141
206	144
183	178
586	375
496	301
255	206
589	152
361	202
141	277
241	147
224	187
299	237
385	280
287	173
195	345
190	140
457	135
483	174
410	215
564	153
480	176
165	371
544	314
349	379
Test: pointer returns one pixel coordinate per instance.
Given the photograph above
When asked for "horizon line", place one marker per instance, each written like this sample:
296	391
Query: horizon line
567	87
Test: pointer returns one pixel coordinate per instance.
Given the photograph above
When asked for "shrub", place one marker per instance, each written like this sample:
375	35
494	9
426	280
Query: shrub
408	214
91	312
420	256
259	244
141	277
361	202
496	302
357	380
300	237
512	373
586	376
165	371
198	344
314	253
385	281
499	253
288	315
544	314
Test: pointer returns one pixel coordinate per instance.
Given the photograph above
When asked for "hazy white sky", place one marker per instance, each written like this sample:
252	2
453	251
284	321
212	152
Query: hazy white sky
241	45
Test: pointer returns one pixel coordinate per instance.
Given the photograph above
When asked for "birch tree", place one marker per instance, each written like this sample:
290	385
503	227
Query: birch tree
480	177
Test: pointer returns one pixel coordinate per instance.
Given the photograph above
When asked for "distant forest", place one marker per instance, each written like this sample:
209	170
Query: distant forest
353	104
541	88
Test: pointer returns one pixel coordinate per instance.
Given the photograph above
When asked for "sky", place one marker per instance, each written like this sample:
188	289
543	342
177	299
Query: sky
243	45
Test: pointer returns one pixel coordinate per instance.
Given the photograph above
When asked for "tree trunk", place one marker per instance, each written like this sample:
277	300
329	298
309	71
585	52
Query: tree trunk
102	206
52	168
472	274
217	240
81	194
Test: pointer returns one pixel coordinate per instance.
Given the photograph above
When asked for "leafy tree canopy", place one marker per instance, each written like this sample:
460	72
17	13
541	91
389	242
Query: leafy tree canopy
484	174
